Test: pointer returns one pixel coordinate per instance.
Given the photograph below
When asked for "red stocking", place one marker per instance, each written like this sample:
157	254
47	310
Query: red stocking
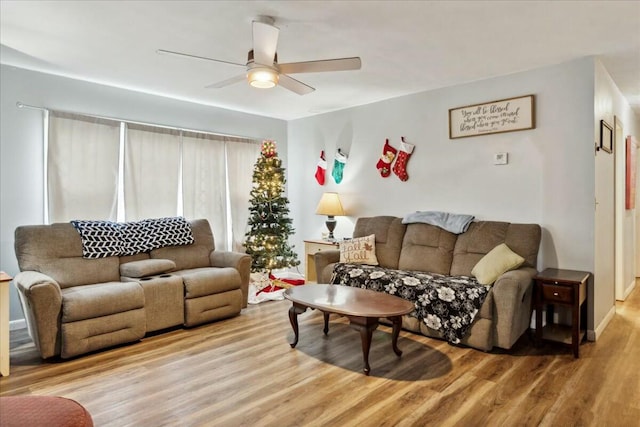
400	168
321	169
384	164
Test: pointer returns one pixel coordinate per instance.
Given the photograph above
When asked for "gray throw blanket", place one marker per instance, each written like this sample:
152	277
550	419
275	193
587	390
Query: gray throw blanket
453	223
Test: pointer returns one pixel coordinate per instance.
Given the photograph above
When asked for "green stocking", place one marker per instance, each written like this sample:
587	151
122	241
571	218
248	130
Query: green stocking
338	166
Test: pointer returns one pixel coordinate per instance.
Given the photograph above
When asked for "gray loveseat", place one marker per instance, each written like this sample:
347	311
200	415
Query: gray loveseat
75	305
506	311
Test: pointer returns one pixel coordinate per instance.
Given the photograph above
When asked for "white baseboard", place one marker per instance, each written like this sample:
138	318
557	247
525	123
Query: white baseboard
593	335
17	324
629	288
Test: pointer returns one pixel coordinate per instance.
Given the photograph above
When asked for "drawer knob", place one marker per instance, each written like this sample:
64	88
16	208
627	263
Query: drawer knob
555	294
555	283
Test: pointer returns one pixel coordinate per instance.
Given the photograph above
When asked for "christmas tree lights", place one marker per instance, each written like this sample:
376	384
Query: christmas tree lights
269	223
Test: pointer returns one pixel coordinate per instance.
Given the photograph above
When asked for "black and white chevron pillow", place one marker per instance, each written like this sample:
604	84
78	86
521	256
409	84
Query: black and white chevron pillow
100	239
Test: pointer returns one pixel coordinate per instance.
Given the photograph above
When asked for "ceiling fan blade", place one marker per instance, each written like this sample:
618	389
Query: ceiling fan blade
294	85
187	55
265	42
227	82
340	64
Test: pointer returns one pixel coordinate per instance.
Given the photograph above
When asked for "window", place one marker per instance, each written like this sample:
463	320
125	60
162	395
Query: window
82	172
107	169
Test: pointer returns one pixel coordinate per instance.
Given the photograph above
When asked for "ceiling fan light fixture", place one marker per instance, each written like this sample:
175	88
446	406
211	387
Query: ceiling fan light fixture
262	77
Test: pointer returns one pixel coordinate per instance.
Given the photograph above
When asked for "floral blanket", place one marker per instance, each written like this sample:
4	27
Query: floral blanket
447	304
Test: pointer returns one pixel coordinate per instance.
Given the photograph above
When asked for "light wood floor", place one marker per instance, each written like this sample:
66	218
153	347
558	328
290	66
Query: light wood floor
243	372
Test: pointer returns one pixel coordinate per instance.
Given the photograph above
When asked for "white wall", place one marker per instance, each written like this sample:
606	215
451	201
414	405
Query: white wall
609	102
21	185
549	180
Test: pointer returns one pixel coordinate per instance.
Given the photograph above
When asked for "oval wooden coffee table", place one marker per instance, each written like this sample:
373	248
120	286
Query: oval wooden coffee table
362	307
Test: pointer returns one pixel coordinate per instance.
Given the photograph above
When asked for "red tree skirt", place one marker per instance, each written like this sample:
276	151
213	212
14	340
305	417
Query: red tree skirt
278	284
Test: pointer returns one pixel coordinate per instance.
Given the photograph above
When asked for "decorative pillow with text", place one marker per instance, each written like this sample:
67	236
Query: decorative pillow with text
361	250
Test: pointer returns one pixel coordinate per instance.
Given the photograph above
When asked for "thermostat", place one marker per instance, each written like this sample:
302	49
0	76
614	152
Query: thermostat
501	158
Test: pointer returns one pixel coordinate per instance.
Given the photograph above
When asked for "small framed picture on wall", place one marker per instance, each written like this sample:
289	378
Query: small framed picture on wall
606	137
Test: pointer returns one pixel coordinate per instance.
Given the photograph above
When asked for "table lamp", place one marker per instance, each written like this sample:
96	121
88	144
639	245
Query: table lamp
330	205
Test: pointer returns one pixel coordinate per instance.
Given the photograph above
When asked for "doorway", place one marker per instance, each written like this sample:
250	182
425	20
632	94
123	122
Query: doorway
625	245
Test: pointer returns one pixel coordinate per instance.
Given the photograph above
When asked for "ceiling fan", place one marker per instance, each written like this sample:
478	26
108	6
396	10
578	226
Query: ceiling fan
262	68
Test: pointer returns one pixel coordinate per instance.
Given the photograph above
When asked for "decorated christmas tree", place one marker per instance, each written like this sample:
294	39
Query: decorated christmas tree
269	223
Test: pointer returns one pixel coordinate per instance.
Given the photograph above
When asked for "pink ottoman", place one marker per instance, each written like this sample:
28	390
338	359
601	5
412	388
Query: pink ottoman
41	411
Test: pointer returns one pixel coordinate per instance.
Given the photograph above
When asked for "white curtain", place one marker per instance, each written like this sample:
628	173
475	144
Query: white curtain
82	167
213	174
204	182
151	172
241	158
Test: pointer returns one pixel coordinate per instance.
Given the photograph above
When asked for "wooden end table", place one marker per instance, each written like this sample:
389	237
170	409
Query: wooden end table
565	288
362	307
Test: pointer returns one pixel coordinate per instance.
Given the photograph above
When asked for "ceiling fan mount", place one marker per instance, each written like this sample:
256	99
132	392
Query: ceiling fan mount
262	68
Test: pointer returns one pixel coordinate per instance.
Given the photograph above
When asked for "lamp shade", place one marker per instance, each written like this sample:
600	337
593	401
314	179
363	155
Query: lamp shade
330	205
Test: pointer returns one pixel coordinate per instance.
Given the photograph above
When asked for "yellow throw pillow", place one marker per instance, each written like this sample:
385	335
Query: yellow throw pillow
361	250
499	260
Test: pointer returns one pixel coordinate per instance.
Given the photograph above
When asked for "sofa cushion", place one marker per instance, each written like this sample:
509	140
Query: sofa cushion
361	250
482	236
389	232
146	267
199	282
185	257
212	307
137	257
101	332
427	248
190	256
101	299
56	250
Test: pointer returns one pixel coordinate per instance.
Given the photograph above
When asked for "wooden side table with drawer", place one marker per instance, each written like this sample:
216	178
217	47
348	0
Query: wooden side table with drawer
564	288
310	248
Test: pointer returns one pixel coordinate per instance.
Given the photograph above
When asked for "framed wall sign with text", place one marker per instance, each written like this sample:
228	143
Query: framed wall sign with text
504	115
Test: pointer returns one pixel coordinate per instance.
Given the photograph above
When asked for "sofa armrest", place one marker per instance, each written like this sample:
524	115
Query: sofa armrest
512	298
239	261
41	301
324	261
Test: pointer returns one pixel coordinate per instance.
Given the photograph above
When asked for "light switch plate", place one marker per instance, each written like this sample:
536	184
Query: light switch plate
500	158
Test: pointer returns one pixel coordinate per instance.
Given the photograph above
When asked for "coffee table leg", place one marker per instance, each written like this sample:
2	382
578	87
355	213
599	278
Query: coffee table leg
293	318
366	326
326	323
397	325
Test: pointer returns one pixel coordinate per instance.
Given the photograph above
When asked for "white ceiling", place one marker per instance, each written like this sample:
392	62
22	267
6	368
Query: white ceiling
405	46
